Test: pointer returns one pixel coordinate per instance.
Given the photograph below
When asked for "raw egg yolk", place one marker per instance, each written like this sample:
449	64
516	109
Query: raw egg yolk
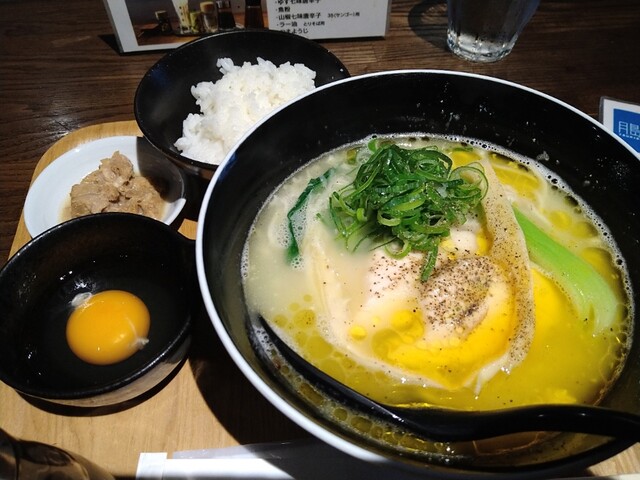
107	327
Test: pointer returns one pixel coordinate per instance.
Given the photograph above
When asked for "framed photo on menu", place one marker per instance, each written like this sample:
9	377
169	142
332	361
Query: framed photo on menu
148	25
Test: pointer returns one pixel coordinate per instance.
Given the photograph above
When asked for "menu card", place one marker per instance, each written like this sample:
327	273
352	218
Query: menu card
147	25
326	19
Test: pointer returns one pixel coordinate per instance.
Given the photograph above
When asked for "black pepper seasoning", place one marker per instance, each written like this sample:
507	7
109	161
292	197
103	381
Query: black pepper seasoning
253	14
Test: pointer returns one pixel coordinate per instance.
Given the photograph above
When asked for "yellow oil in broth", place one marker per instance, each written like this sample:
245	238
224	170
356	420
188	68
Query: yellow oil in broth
559	366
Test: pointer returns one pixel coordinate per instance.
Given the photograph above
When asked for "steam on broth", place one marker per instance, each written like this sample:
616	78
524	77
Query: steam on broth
506	317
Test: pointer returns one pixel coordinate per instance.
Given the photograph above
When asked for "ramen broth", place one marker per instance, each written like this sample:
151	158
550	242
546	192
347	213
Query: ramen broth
362	316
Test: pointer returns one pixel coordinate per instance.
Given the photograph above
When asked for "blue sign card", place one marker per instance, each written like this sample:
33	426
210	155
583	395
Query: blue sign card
623	118
626	125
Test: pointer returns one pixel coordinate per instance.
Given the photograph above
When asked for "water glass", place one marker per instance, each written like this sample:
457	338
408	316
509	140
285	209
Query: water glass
486	30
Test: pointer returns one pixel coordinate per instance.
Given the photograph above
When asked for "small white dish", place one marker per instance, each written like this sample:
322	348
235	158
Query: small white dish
49	193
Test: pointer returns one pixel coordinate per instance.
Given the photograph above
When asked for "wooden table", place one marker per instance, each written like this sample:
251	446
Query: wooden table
60	72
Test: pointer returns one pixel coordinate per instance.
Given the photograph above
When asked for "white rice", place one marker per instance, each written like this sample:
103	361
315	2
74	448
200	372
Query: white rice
233	104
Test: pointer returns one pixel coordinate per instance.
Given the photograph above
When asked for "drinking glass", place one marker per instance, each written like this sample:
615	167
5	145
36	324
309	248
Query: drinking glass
486	30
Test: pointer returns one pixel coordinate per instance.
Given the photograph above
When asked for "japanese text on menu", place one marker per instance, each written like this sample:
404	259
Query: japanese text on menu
328	18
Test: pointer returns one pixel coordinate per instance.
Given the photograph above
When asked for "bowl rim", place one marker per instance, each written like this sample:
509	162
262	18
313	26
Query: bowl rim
580	460
204	166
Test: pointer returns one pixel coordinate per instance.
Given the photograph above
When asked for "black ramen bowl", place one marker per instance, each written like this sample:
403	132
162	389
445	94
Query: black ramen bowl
163	98
596	165
91	254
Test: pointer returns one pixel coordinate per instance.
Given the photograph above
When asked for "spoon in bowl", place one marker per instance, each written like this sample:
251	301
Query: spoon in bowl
445	425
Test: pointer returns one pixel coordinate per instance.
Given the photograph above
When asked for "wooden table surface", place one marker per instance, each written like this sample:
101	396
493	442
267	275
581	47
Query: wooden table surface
60	72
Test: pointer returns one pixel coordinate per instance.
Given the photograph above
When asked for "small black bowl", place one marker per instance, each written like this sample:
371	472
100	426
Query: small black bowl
163	98
90	254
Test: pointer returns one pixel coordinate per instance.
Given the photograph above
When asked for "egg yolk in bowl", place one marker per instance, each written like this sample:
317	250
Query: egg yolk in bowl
107	327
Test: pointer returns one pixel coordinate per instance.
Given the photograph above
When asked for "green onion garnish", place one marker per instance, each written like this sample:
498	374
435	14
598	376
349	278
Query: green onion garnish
295	215
406	200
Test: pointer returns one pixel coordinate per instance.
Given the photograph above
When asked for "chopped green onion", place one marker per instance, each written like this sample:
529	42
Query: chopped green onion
410	197
591	294
351	156
294	224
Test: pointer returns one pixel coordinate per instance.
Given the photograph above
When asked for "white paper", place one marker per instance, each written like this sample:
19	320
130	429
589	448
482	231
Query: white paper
325	19
300	460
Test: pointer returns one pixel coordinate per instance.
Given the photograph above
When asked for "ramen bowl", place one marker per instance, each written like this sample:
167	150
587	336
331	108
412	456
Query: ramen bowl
597	166
163	99
74	260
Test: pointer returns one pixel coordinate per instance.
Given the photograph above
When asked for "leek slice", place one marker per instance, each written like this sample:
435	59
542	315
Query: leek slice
295	215
593	297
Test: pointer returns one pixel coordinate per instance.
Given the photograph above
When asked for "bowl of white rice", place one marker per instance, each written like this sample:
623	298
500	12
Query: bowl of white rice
199	100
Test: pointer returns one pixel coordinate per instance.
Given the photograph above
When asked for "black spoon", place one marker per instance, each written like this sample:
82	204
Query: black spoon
445	425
